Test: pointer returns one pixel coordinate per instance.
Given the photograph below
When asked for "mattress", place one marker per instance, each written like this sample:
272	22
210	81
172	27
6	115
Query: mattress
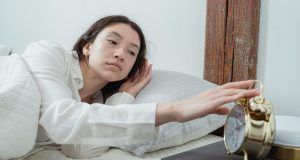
115	154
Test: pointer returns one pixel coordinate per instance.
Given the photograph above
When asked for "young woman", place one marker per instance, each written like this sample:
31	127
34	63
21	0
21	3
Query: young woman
108	61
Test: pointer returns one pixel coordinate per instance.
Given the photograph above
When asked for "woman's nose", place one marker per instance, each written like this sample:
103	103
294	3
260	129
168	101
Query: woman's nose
119	54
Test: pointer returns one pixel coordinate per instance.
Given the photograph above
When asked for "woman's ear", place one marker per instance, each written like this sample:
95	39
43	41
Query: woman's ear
86	52
86	49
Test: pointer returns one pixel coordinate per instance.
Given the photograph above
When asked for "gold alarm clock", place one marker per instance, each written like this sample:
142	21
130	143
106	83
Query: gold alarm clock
250	127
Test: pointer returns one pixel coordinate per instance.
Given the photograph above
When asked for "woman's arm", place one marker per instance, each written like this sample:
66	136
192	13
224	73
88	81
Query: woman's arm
208	102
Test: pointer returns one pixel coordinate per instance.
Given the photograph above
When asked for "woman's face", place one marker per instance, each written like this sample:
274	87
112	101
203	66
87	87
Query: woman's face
113	52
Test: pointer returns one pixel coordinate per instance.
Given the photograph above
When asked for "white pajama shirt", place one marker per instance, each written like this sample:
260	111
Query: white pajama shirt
64	119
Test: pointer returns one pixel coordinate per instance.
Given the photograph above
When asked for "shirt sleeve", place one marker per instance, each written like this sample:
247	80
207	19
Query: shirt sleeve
69	121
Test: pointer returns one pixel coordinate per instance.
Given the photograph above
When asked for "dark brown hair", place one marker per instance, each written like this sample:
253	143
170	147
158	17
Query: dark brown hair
90	35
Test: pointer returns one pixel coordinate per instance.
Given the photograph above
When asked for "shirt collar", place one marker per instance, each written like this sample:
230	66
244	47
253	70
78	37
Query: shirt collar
77	74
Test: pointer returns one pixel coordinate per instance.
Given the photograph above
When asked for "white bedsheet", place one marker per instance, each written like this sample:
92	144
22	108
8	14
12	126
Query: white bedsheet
116	154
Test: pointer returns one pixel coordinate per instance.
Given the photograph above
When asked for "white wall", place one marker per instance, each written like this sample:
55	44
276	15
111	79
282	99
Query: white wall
279	58
174	29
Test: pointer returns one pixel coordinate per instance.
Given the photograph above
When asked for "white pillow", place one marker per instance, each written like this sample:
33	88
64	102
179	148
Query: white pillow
170	85
19	108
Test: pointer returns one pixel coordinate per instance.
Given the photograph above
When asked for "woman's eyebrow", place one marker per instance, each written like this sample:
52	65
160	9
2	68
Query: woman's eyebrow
119	36
116	34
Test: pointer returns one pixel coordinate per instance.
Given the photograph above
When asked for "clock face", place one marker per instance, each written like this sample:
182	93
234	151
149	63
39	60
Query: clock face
234	130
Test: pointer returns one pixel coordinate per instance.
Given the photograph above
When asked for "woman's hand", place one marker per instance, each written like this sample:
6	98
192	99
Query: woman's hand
209	102
134	85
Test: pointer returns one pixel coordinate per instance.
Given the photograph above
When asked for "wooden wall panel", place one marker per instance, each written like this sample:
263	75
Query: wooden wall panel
231	40
245	36
215	40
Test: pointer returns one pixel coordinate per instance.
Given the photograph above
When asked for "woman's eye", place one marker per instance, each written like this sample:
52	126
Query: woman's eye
132	53
112	42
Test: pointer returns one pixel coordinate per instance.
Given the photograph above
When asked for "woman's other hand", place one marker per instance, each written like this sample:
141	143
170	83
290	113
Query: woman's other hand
209	102
134	85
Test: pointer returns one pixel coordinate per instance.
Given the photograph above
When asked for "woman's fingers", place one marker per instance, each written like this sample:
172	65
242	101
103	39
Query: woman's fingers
232	91
222	110
248	93
221	100
149	70
144	69
146	73
240	84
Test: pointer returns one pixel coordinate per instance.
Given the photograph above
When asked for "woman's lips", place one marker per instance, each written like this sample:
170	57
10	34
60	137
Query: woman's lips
117	65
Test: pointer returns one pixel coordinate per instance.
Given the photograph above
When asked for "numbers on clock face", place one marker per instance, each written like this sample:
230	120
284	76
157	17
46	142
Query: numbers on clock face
235	129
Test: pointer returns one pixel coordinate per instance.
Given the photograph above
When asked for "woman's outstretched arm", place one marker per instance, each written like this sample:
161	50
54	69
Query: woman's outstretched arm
209	102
